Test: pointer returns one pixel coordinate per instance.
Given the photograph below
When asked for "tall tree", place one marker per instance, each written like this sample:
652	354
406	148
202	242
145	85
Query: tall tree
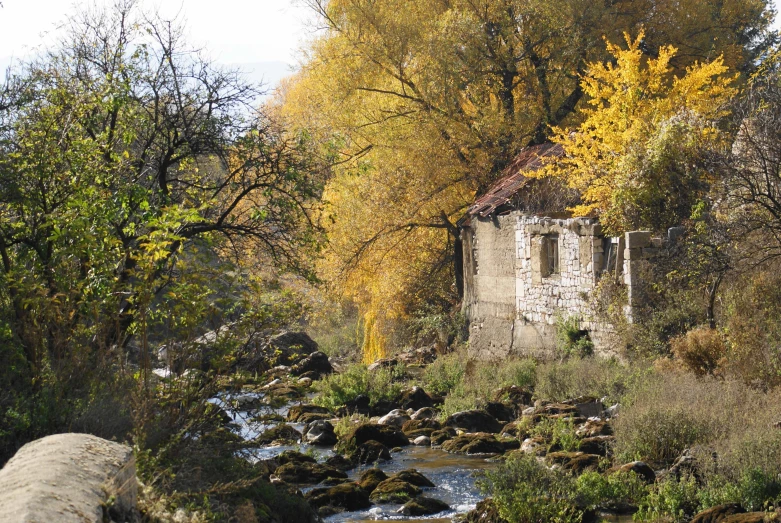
425	102
124	152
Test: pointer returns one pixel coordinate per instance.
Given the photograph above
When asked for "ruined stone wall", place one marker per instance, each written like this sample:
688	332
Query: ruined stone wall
512	300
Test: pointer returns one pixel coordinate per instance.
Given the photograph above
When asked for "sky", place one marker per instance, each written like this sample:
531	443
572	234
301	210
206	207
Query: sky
261	36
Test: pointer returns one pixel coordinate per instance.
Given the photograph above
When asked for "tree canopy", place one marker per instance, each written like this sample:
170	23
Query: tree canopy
422	104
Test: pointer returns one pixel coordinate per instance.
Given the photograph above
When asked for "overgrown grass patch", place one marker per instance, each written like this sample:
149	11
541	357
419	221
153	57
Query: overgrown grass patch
384	384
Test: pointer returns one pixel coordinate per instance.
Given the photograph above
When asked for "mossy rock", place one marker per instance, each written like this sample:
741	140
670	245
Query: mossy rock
340	462
370	452
387	435
297	411
439	437
600	445
413	477
307	473
394	490
293	456
477	443
370	478
423	506
414	425
576	462
280	433
347	496
282	390
485	512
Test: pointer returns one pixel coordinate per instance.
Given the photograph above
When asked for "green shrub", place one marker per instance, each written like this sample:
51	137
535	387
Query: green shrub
571	340
585	377
381	384
595	489
445	374
672	500
481	379
525	491
755	490
560	432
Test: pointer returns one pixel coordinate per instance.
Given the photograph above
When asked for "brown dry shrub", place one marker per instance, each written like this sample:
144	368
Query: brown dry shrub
753	330
701	350
729	425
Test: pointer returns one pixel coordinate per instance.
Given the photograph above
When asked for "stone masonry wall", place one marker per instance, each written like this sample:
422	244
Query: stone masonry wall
511	303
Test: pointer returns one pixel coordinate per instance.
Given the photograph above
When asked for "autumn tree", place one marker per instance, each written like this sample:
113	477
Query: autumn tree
638	158
125	158
424	103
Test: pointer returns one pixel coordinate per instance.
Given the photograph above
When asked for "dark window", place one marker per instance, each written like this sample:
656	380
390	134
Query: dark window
552	253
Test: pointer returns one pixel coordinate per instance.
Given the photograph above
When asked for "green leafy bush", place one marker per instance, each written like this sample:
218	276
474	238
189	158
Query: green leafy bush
672	500
380	384
595	489
571	340
526	491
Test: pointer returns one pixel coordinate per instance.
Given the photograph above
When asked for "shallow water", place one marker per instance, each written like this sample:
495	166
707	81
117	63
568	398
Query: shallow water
454	475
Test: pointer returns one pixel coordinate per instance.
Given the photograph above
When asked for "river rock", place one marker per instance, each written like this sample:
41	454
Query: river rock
370	478
413	477
295	412
320	432
600	445
484	512
473	421
279	434
288	348
576	462
340	462
718	514
382	407
305	381
424	413
370	452
640	468
293	456
415	398
515	394
422	441
554	410
593	428
420	427
358	405
316	362
282	390
474	443
347	496
395	418
305	473
515	429
438	437
394	490
423	506
535	446
501	411
387	435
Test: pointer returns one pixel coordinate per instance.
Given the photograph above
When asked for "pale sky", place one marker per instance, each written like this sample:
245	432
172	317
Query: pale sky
261	36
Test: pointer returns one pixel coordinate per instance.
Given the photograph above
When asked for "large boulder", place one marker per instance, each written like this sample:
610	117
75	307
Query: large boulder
420	427
395	418
389	436
601	445
347	496
423	506
279	434
439	437
370	452
424	413
394	490
296	413
414	477
317	363
320	433
485	512
293	456
576	462
288	348
473	421
718	514
415	399
370	478
515	394
640	468
501	411
306	473
474	443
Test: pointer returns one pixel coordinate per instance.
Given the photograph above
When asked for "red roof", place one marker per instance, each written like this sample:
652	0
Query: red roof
513	179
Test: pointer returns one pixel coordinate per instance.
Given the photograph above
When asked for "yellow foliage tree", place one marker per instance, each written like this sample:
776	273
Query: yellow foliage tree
420	104
637	157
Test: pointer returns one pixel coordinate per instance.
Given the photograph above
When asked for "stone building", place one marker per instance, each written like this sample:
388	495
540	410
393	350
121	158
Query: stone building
526	267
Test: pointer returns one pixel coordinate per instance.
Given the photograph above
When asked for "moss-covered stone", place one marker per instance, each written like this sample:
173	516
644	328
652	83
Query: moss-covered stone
394	490
423	506
370	478
478	443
